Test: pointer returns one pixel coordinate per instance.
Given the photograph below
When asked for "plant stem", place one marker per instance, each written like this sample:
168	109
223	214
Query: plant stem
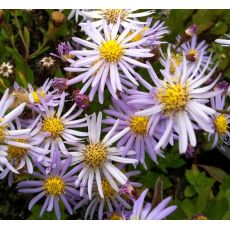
223	111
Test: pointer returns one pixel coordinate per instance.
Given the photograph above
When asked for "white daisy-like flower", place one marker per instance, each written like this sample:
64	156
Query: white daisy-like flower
22	152
6	69
61	127
181	98
47	62
95	158
111	16
106	57
6	131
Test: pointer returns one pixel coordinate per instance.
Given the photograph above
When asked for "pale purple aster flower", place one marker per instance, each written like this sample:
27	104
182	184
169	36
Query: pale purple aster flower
194	51
7	134
138	137
146	212
181	98
153	33
75	13
107	56
224	42
54	186
61	128
63	50
112	16
112	199
21	153
96	159
221	121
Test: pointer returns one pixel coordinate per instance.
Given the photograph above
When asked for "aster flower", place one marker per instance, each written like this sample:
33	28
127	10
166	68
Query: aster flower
112	199
63	51
153	33
137	138
220	121
146	212
6	69
181	99
194	49
54	186
111	16
81	100
43	93
75	13
21	153
95	159
7	134
224	42
59	83
61	127
110	54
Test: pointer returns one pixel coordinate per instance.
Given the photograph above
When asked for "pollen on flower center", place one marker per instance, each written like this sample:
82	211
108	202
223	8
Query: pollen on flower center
139	124
192	55
54	185
17	152
53	125
108	191
221	124
177	59
95	155
173	97
111	15
116	216
111	51
2	131
36	95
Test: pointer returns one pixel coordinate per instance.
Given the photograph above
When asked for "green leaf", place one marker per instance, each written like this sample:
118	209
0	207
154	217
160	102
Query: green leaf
188	207
189	191
216	173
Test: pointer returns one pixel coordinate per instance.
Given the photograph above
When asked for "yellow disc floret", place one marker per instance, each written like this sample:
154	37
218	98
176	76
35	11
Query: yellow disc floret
139	124
177	59
221	124
111	15
95	155
173	97
15	151
111	51
54	185
36	95
53	125
108	191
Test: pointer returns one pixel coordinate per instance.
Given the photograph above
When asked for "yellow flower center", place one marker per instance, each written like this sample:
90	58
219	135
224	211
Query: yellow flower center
192	55
173	97
116	216
111	51
139	36
221	124
177	59
54	185
53	125
139	125
95	155
17	152
2	131
36	95
68	56
108	191
111	15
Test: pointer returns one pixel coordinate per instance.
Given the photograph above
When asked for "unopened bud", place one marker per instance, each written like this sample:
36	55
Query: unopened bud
128	191
223	85
60	84
57	18
199	216
81	100
188	33
1	15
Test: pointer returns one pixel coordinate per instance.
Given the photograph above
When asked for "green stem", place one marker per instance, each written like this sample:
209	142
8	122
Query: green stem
21	36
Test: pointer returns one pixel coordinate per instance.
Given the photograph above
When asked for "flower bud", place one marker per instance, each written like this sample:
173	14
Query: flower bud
57	18
223	85
188	33
199	216
60	84
81	100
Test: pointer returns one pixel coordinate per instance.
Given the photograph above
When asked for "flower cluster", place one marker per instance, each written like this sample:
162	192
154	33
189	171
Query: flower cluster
82	158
